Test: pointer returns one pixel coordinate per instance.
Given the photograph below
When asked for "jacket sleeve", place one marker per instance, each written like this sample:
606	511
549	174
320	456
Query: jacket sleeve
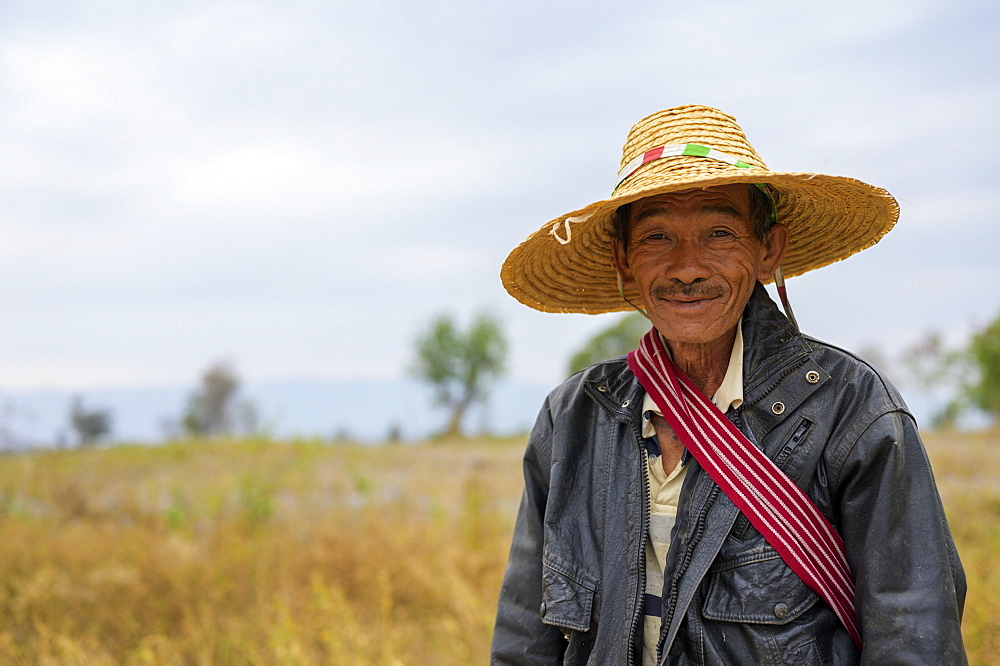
520	636
910	582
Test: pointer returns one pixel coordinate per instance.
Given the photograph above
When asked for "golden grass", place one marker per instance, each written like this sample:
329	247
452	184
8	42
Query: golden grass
253	553
967	468
250	552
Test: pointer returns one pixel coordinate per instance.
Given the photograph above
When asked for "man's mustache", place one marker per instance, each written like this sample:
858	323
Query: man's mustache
689	291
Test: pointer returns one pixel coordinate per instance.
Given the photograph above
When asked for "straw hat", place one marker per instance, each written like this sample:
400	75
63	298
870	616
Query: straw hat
566	265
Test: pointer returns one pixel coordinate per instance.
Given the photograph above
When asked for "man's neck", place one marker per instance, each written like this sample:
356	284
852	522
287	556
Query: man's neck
704	364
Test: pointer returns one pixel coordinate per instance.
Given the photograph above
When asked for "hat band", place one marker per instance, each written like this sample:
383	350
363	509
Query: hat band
673	150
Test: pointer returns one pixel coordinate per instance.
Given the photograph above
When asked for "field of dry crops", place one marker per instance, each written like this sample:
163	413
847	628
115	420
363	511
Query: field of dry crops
250	552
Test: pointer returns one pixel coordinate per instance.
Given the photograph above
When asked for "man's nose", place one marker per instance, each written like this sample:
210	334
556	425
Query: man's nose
688	263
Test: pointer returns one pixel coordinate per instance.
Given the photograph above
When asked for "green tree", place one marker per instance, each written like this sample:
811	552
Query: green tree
460	365
89	424
966	377
620	338
984	354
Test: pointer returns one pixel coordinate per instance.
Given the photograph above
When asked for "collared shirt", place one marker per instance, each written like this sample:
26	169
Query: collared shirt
664	493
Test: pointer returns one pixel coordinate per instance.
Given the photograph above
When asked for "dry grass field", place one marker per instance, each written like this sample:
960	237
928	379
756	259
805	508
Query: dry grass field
250	552
967	468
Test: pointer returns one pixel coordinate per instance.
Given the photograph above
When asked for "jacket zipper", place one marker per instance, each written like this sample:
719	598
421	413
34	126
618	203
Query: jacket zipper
682	569
800	432
641	559
742	526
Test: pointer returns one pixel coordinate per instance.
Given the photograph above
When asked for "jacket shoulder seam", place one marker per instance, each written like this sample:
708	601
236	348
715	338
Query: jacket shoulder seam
850	449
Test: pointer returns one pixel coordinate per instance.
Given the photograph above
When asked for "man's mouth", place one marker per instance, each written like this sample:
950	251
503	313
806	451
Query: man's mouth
683	304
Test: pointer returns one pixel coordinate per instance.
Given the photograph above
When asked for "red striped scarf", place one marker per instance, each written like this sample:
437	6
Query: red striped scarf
779	509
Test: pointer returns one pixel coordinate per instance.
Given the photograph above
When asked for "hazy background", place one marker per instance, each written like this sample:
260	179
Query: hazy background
297	187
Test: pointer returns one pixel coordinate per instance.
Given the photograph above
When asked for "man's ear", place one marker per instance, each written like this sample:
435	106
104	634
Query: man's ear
773	251
620	262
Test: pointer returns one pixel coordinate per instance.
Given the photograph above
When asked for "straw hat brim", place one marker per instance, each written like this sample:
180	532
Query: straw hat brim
829	218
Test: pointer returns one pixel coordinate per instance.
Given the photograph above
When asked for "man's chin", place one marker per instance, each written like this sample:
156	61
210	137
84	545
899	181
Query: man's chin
691	330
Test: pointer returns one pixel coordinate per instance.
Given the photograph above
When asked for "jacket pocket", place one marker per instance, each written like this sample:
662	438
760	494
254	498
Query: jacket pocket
567	601
756	587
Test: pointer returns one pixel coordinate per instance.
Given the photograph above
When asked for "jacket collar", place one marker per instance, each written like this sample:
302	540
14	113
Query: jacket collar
771	343
618	391
779	369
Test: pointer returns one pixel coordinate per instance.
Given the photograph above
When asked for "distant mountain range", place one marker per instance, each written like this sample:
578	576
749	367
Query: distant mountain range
366	410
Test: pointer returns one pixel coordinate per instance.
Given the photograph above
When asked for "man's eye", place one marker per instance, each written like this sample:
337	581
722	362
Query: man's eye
656	235
721	233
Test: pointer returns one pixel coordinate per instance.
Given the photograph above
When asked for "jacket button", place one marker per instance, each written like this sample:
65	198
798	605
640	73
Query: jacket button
780	611
812	376
542	609
778	408
602	388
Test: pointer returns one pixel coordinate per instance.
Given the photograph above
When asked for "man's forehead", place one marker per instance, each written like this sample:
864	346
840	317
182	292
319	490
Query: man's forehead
734	194
729	200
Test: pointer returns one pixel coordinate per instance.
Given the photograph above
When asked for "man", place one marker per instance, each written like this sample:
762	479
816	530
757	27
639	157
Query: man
792	519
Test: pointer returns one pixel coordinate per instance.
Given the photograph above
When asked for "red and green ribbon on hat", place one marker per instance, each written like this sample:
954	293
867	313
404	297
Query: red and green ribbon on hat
676	150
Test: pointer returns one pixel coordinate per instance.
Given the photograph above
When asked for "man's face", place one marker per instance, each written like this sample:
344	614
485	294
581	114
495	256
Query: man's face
694	259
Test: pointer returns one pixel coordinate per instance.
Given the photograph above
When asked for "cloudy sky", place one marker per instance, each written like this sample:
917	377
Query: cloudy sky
299	186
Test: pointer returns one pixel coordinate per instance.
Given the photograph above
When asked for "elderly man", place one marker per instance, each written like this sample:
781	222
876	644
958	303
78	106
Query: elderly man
732	492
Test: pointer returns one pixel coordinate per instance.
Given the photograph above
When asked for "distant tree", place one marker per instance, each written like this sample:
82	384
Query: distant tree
88	424
460	365
619	338
395	434
8	440
984	355
928	362
940	372
213	409
966	377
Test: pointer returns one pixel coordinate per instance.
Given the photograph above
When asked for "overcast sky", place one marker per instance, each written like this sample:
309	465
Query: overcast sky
299	186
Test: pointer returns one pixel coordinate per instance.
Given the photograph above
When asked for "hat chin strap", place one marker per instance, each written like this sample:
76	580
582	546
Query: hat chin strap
621	292
779	282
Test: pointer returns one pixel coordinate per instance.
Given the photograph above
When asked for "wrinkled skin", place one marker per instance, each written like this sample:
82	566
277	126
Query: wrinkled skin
694	259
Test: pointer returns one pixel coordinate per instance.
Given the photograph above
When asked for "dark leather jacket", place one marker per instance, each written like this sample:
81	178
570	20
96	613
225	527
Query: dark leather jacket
574	581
